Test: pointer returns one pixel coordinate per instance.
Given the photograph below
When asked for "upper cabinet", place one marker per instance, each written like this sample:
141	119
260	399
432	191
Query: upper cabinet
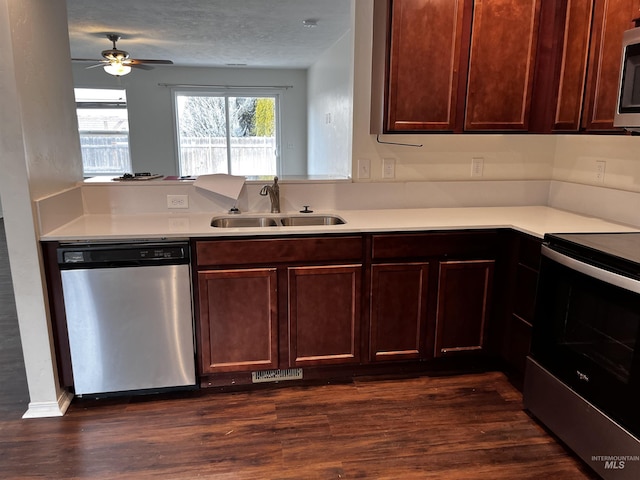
537	66
611	19
504	36
426	63
579	65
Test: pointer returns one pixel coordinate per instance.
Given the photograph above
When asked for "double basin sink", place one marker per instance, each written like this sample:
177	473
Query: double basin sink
237	221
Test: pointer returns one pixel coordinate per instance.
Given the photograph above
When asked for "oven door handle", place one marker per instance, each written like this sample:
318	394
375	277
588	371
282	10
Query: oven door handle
591	271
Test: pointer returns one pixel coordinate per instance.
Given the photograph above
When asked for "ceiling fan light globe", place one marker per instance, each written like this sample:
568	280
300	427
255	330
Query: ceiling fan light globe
117	69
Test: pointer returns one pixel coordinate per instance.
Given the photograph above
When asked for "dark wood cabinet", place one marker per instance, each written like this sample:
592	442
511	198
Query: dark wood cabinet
501	65
431	294
426	62
578	17
398	311
460	65
538	66
611	18
464	302
581	49
281	302
324	315
238	313
520	299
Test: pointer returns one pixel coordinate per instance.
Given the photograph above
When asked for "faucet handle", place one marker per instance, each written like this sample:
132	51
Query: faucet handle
306	209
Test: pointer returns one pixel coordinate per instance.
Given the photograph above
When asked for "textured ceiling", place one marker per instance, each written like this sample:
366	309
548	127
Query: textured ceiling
258	33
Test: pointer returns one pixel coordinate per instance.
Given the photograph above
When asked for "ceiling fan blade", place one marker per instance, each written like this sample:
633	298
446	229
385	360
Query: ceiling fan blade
101	64
141	66
137	61
85	60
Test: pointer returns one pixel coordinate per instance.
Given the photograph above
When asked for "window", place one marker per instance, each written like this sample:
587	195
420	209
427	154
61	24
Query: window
225	133
104	131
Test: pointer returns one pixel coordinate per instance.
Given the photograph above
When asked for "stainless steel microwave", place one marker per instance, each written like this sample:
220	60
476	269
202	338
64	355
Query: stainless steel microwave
627	113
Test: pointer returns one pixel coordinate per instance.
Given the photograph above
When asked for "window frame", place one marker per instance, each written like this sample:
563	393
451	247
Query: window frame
105	105
226	92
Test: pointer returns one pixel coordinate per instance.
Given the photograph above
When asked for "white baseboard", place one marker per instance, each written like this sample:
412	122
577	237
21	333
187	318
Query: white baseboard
49	409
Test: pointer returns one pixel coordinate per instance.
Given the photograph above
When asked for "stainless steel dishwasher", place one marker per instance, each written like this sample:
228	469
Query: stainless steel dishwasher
129	315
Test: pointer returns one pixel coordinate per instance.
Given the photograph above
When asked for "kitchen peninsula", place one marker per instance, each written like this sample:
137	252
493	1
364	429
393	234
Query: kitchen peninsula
388	290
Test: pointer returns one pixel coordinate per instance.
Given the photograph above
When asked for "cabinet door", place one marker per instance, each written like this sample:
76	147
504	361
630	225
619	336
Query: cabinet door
464	290
573	69
324	315
398	311
238	320
522	293
611	18
424	64
501	65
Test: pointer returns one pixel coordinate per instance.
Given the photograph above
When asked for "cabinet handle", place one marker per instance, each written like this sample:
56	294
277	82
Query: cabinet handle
582	376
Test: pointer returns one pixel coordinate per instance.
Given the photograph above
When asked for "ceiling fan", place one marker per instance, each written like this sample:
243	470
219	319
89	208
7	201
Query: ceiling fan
118	62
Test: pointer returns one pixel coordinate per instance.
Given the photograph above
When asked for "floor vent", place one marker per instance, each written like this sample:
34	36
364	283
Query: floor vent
276	375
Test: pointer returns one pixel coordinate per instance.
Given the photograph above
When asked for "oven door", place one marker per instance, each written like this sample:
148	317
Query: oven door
585	333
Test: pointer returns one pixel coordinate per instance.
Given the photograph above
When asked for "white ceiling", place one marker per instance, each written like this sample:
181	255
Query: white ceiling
258	33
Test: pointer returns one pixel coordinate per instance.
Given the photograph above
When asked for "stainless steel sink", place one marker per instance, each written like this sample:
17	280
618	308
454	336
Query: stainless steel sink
308	220
241	221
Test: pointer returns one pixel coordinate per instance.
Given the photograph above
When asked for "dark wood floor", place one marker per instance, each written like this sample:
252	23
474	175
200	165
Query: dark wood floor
459	427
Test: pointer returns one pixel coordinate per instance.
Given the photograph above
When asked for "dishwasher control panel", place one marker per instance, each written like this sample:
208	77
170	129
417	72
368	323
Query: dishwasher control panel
139	254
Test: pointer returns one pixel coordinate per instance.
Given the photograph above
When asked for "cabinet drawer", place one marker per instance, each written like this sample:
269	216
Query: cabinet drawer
525	293
278	250
529	252
518	345
434	244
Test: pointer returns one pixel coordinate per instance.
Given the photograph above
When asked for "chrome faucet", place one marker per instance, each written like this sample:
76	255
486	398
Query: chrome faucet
274	195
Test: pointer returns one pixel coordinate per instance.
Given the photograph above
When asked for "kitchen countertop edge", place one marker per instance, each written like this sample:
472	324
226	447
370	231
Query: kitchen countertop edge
532	220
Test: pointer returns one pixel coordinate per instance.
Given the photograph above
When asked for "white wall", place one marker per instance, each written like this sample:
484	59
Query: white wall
40	154
576	157
330	110
151	118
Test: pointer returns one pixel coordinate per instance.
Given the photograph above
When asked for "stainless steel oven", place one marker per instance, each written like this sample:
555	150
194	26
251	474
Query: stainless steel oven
583	375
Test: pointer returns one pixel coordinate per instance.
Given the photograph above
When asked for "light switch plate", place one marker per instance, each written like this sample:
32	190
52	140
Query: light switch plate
477	166
388	168
364	168
600	168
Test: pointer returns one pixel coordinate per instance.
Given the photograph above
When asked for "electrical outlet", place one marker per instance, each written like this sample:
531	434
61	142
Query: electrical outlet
388	168
177	201
477	165
364	168
600	166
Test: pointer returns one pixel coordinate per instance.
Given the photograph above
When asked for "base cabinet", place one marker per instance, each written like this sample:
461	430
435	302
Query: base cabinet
277	303
238	312
359	302
520	311
398	311
431	294
464	299
324	315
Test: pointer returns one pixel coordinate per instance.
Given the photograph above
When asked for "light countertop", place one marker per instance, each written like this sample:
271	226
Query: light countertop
534	220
